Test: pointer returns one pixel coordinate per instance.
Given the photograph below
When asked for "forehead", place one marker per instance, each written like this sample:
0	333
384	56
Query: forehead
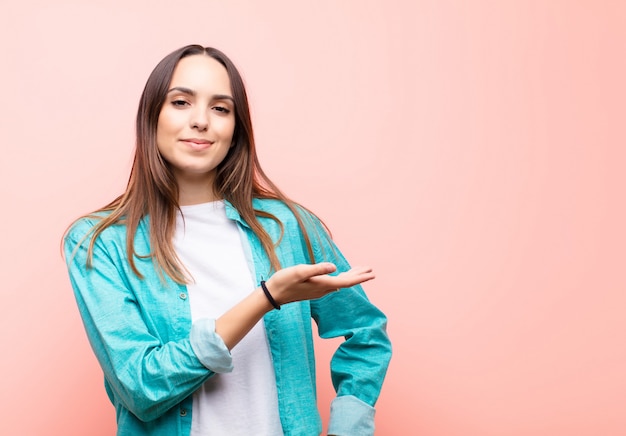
201	73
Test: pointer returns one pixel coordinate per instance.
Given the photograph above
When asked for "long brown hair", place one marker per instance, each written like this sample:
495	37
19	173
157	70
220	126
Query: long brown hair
152	189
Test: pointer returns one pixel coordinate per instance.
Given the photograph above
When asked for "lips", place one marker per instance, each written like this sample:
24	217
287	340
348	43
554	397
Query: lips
196	143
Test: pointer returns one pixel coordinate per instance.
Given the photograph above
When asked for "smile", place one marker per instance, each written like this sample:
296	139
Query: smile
197	144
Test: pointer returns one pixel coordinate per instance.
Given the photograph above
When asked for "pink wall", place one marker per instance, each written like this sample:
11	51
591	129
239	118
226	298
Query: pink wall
472	152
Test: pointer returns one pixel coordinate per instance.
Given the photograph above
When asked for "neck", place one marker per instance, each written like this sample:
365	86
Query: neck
195	191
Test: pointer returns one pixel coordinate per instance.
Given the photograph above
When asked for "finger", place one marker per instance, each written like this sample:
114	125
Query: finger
361	269
365	273
344	280
317	269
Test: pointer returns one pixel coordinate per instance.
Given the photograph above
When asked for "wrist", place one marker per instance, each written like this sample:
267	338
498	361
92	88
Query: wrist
269	296
262	300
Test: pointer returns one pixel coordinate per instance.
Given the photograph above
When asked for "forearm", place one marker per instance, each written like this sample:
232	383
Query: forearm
239	320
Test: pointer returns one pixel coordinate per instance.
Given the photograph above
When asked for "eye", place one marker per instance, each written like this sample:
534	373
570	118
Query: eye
179	103
221	109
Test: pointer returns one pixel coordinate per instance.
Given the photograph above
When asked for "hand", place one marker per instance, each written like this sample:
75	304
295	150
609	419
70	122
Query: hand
308	282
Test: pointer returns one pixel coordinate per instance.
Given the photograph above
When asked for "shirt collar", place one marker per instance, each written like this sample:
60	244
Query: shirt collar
233	214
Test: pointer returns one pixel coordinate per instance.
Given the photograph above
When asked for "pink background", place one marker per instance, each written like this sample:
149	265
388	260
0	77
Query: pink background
472	152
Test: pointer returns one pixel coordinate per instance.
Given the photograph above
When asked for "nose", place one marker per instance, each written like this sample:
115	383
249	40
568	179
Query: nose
199	119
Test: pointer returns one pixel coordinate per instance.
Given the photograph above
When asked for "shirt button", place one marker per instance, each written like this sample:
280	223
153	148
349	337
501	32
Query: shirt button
183	412
183	296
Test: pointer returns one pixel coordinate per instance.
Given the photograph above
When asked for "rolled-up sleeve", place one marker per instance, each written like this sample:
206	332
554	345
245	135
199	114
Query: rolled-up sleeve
350	416
210	347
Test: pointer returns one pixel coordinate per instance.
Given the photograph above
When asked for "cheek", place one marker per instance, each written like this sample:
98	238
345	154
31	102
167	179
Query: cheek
227	129
169	122
164	134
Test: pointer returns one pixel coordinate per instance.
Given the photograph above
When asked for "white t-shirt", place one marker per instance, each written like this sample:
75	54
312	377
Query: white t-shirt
245	401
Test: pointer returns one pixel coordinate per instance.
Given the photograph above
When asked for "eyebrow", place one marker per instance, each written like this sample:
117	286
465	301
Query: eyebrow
193	93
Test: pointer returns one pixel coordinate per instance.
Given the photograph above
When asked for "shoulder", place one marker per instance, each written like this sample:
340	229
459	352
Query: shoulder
285	213
272	206
82	229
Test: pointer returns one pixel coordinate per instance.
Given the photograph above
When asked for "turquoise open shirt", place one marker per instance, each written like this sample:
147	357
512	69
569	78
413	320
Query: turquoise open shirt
153	358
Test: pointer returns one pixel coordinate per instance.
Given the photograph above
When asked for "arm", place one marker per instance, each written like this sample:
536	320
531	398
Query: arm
296	283
359	365
147	373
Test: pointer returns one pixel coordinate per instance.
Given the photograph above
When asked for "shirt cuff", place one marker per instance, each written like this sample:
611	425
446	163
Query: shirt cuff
350	416
209	346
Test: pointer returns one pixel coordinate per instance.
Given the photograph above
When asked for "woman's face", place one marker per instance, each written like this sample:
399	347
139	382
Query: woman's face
197	121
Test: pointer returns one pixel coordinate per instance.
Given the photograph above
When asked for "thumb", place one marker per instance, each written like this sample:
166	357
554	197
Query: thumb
318	269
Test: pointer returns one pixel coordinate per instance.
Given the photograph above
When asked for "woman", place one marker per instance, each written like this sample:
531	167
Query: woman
183	282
